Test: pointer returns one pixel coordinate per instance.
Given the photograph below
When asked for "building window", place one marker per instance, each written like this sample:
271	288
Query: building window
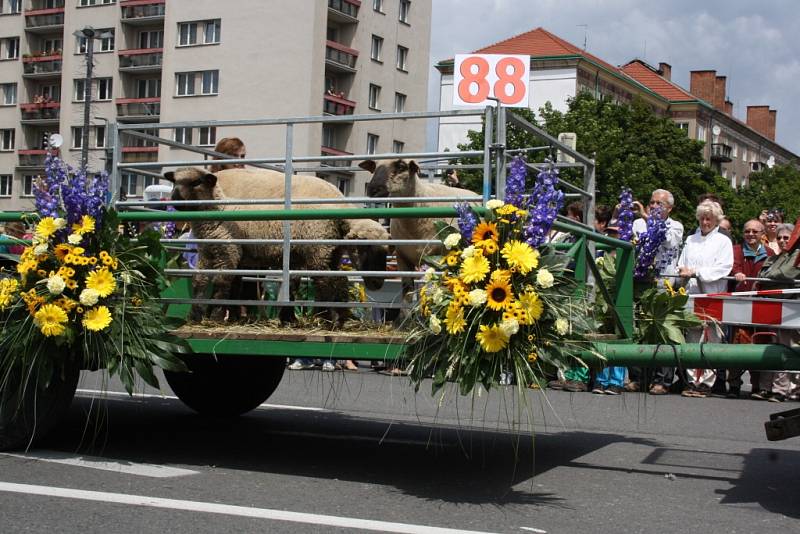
77	137
53	92
405	7
184	82
209	32
28	182
212	30
374	96
10	7
372	143
208	136
397	147
187	33
343	184
78	90
107	43
129	183
210	82
402	58
151	39
148	88
52	46
5	185
377	5
683	126
183	135
376	49
9	48
104	89
744	153
701	133
328	136
735	150
100	136
399	102
9	95
7	139
86	3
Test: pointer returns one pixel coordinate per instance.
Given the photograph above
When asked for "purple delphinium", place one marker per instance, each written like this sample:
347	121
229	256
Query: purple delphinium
168	228
467	221
626	215
649	243
547	202
515	183
47	193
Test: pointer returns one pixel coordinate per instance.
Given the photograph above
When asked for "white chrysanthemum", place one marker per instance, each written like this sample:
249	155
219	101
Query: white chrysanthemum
544	278
40	249
477	297
494	204
509	327
55	284
468	252
429	274
452	240
89	297
126	277
435	324
437	296
60	222
74	239
562	326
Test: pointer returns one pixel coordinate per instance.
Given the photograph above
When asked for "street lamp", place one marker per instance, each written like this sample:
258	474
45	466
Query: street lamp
90	34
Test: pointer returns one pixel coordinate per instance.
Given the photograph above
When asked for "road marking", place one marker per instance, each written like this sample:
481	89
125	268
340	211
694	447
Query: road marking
228	509
531	529
101	393
92	462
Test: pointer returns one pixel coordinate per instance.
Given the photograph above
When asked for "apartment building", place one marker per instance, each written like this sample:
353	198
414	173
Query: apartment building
560	70
160	61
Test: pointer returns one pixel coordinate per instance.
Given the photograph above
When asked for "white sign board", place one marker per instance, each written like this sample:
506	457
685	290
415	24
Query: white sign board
479	77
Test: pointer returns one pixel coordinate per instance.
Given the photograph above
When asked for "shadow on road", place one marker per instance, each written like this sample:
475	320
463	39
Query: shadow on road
437	463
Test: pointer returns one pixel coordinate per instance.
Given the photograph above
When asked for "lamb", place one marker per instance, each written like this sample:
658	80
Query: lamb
197	184
398	178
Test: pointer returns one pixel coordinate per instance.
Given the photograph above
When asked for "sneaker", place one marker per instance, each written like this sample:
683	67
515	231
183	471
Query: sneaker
328	366
733	393
614	390
556	384
761	394
575	386
598	390
776	397
659	389
298	365
633	387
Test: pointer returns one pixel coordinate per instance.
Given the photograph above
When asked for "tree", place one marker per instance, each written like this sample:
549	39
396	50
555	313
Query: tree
771	188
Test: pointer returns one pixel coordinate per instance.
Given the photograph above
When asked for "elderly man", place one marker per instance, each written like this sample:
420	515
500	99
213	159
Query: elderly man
666	262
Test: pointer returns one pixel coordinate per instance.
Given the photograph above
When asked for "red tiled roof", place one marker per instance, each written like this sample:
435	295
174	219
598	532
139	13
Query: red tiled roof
646	76
541	43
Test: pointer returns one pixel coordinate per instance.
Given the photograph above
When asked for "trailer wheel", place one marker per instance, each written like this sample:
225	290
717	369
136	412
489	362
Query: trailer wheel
227	386
29	411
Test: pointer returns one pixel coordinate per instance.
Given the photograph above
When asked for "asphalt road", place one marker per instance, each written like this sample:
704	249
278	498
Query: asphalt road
348	452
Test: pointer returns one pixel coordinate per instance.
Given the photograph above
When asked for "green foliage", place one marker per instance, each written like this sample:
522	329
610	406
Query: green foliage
771	188
661	317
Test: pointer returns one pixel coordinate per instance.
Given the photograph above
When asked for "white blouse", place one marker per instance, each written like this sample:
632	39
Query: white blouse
711	257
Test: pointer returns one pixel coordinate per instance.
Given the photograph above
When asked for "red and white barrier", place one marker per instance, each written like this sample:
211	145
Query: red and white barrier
745	308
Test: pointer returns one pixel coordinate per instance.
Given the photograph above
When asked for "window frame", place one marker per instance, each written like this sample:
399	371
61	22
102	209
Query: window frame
401	60
217	33
8	139
6	185
8	49
99	136
149	35
188	85
401	99
28	181
376	49
404	11
377	6
190	39
398	145
213	82
79	96
183	135
372	143
374	97
109	82
76	132
210	132
4	87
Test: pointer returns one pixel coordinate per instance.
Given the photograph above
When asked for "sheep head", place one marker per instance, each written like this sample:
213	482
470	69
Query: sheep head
193	184
391	178
369	257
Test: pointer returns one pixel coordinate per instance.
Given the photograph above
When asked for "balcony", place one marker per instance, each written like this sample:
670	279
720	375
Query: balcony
138	109
141	12
330	151
721	153
137	154
337	105
33	158
45	20
141	60
340	58
42	66
40	112
344	11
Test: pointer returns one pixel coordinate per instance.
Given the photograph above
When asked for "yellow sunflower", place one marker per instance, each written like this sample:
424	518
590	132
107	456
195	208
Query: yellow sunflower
474	268
498	294
520	256
101	281
454	320
485	232
46	228
50	319
84	226
532	305
491	338
61	250
96	319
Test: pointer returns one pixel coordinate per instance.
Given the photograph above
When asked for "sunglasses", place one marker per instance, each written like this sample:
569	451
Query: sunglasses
784	238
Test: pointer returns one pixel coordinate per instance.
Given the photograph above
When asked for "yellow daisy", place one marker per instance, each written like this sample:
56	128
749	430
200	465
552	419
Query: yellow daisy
489	246
491	338
46	228
61	250
452	258
454	320
50	319
508	209
475	268
485	232
520	256
96	319
84	226
532	305
498	294
101	281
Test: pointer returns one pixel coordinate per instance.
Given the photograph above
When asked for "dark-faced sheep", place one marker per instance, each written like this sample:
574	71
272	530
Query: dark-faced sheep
197	184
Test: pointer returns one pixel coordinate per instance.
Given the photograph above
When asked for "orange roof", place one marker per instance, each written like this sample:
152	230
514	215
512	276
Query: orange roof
646	76
541	43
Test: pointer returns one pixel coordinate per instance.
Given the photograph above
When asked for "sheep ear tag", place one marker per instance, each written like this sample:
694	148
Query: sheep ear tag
169	176
210	180
368	165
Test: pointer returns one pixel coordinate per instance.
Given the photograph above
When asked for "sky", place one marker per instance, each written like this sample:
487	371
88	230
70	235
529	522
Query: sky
755	44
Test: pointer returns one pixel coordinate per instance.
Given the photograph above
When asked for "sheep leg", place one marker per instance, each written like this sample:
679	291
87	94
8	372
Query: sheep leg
199	285
222	290
332	290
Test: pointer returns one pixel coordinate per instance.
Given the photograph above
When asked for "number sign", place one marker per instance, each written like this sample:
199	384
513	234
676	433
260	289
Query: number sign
478	77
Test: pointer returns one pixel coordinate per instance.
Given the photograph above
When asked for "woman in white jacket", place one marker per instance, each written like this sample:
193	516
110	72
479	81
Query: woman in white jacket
706	258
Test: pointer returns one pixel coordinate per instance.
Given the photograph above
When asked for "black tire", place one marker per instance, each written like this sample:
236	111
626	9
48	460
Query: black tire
227	386
28	412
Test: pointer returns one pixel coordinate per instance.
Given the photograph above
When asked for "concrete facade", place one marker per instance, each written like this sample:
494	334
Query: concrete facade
177	61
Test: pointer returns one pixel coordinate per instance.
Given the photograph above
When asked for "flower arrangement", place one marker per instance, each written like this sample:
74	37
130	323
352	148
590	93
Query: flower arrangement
83	293
648	244
494	302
